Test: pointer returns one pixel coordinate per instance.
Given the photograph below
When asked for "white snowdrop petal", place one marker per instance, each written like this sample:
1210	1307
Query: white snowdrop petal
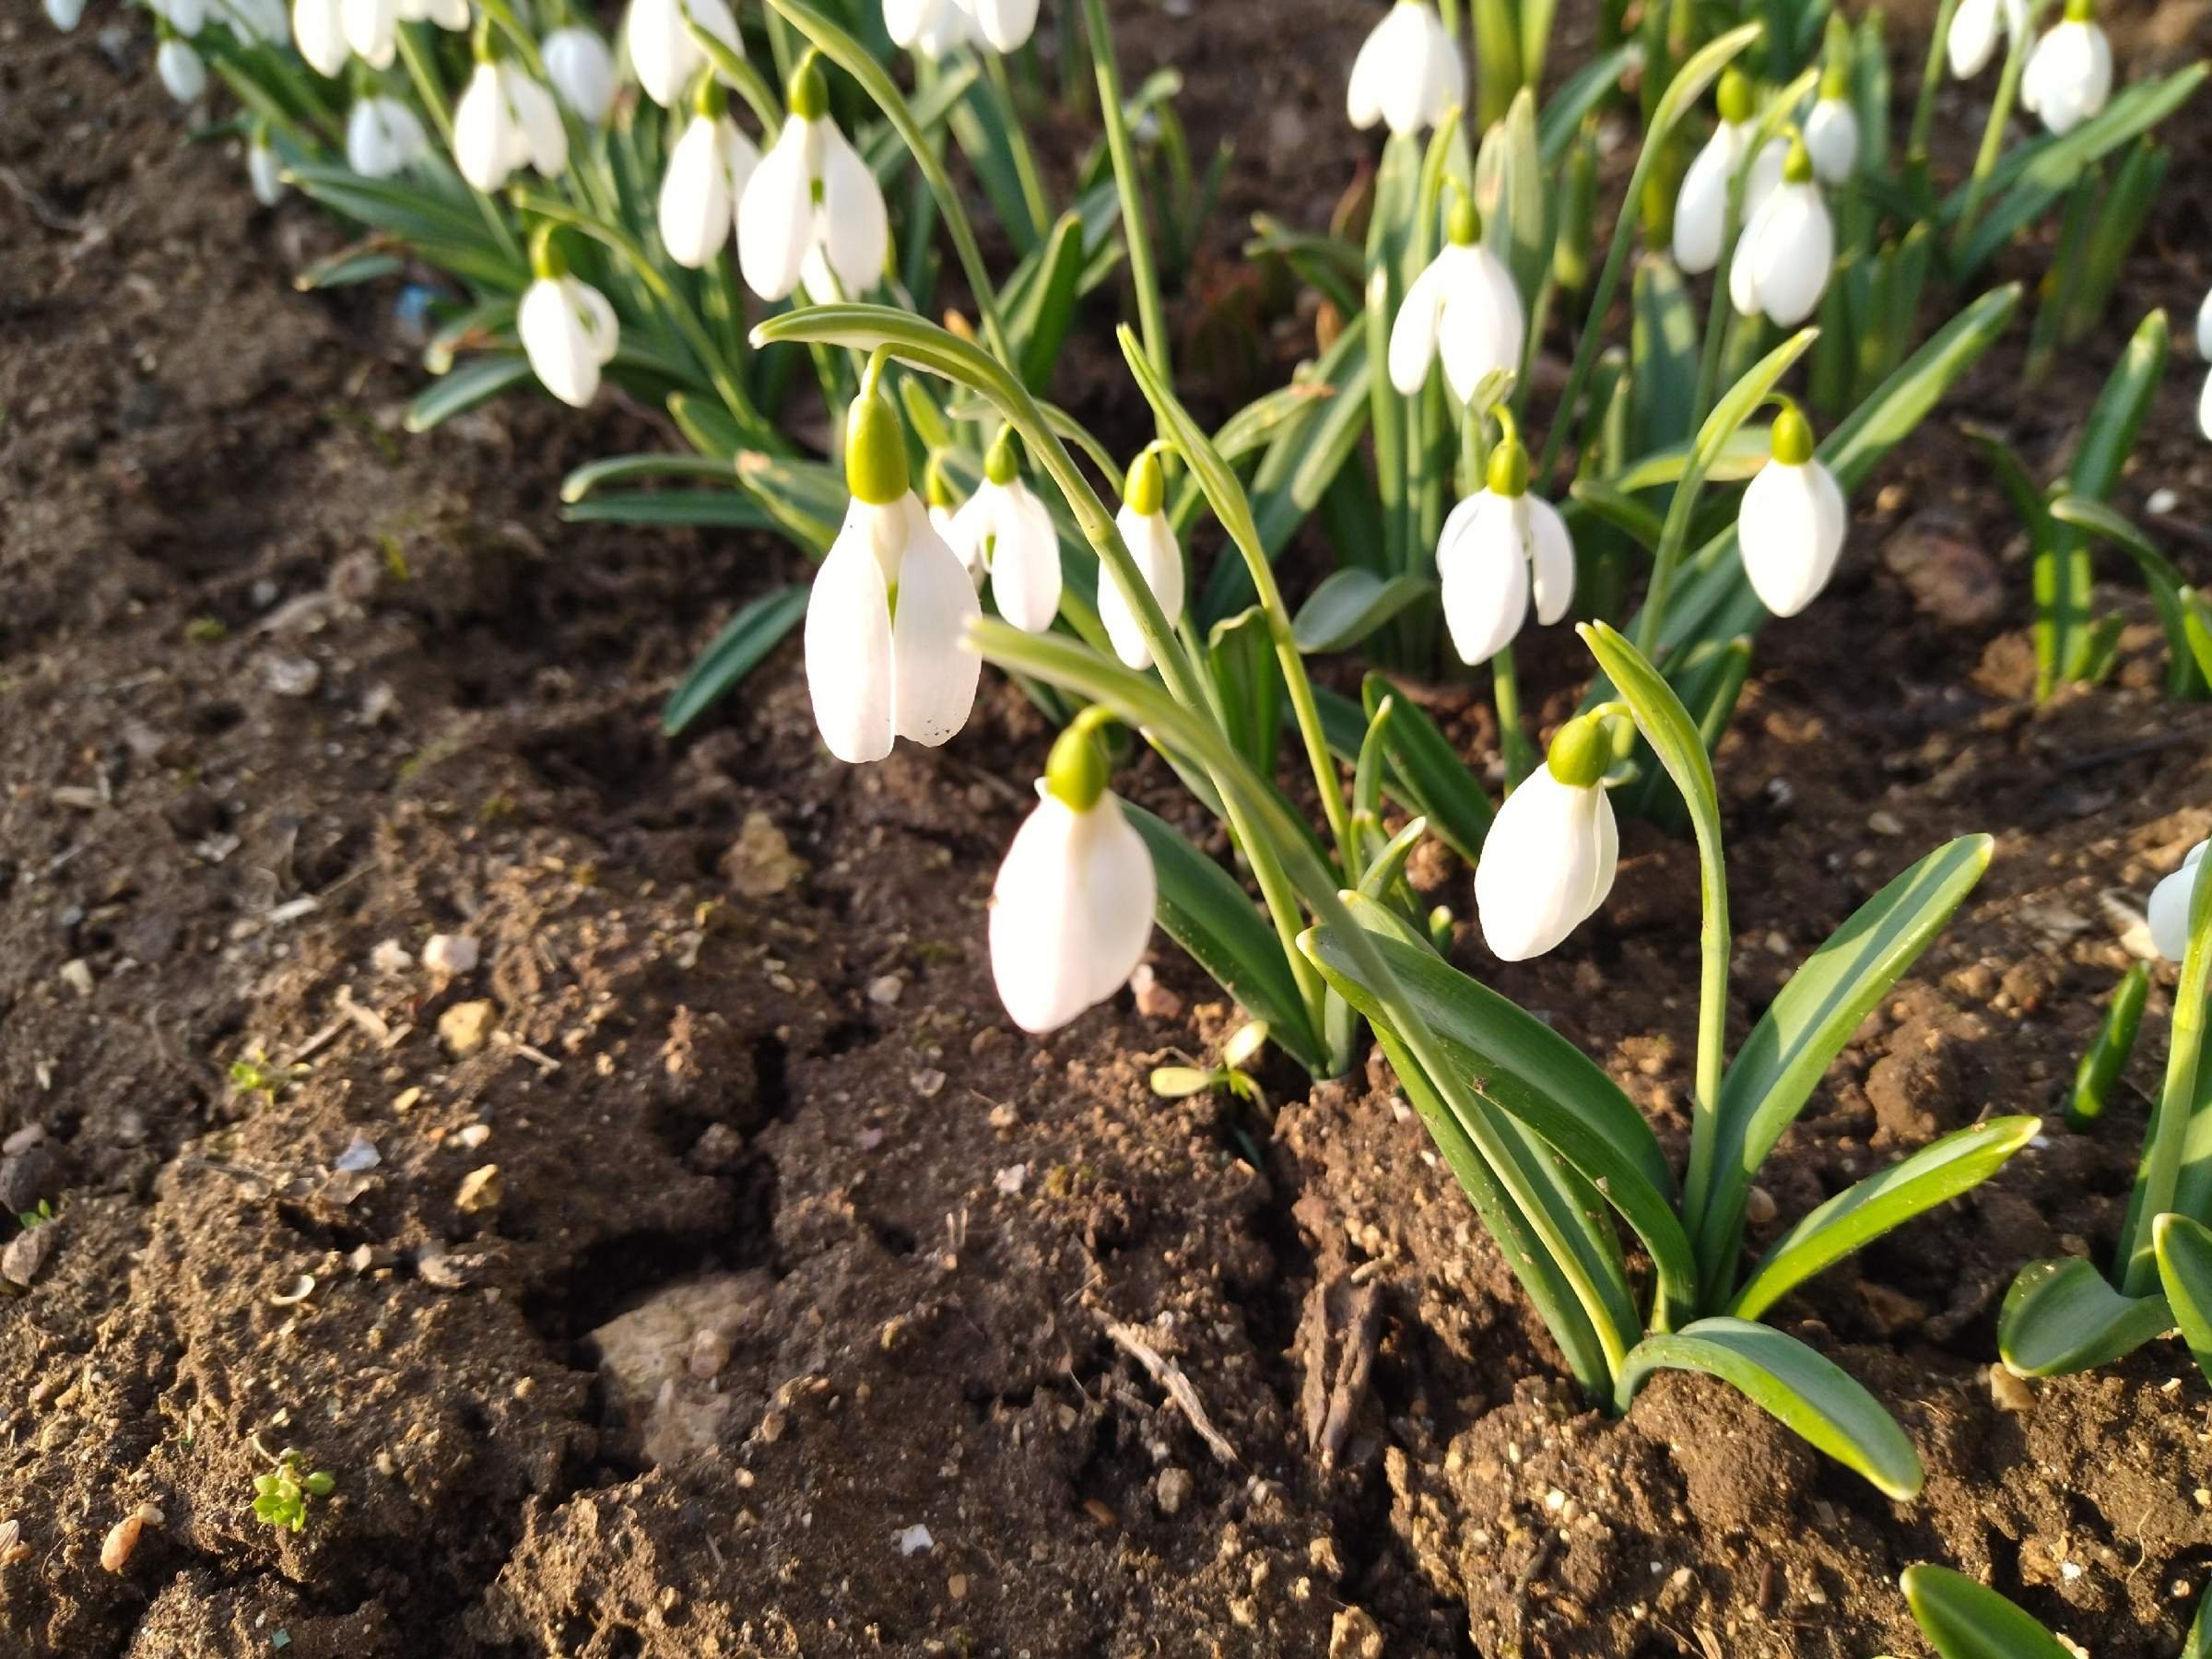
372	29
661	49
2168	910
848	644
567	330
2203	328
1552	558
1025	563
935	670
1790	531
183	75
2204	408
537	116
1152	546
1414	330
1481	330
1482	568
856	226
481	143
595	317
1972	40
694	206
265	173
1792	253
776	215
1831	136
1542	861
1765	176
1007	24
1702	205
1363	93
582	70
1071	912
740	158
65	14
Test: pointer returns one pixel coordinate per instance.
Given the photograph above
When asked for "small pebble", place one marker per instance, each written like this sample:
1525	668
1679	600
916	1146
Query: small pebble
391	956
474	1135
76	974
24	1257
465	1026
914	1540
451	954
480	1190
123	1538
360	1155
885	989
1173	1488
2010	1393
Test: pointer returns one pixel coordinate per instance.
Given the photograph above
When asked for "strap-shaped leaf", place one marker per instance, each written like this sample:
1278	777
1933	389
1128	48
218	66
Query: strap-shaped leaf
1816	1013
657	463
1510	188
1744	451
1206	912
807	498
719	509
1663	358
1963	1619
474	382
1864	1211
1351	604
1509	1057
2199	1642
1039	311
2184	1251
1578	95
1618	508
2062	1317
1430	774
1804	1391
1240	654
2160	575
749	636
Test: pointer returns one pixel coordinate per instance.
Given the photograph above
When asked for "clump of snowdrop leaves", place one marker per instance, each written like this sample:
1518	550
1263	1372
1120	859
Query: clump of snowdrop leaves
1549	858
886	619
1144	531
707	171
2167	911
666	58
1975	28
505	122
1408	74
812	211
582	71
1462	307
1790	525
1071	910
2069	74
568	328
382	137
1498	547
1007	529
1781	260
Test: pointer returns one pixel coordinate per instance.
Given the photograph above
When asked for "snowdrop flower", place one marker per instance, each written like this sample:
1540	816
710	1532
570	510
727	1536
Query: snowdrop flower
1007	529
185	16
1007	24
372	29
661	48
255	22
812	208
582	70
382	137
1464	306
264	170
1498	547
1143	523
65	14
886	654
1702	205
567	327
1789	528
1781	260
2169	909
319	31
931	28
2069	74
1071	910
1549	858
2204	408
2203	328
1972	40
1831	131
1408	74
506	121
180	69
944	507
708	171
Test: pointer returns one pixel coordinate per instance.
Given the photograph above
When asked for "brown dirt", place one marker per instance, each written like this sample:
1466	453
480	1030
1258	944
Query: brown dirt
282	686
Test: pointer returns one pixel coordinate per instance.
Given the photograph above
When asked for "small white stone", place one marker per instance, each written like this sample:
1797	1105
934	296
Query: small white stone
360	1154
885	990
915	1539
1011	1180
391	956
450	954
474	1135
76	974
2163	501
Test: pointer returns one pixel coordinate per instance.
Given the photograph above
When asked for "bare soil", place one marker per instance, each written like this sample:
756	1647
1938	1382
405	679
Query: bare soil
287	693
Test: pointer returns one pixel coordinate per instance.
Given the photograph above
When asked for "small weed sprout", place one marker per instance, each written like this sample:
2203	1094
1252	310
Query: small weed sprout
256	1074
39	1217
280	1497
1179	1082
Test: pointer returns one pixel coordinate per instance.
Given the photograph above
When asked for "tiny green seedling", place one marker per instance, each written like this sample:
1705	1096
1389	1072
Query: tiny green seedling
1179	1082
256	1074
39	1217
280	1497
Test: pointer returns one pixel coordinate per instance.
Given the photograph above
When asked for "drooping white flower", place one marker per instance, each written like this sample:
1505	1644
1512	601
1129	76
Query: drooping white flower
1549	858
661	49
372	29
1463	307
1071	910
708	171
1976	26
382	137
65	14
1143	522
2167	911
264	171
319	31
812	204
1701	203
256	23
582	70
182	72
1499	546
2203	328
1408	74
1781	260
506	121
450	15
878	671
1790	525
2204	408
1007	24
931	28
1831	134
2069	75
185	16
1007	530
568	329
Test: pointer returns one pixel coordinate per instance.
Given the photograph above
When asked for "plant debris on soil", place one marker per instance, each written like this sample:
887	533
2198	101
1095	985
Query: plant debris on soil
605	1156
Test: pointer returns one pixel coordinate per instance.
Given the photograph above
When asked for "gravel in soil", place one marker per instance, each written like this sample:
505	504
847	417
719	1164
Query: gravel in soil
707	1267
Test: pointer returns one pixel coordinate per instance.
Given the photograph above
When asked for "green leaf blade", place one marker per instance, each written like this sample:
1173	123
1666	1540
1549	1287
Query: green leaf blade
737	651
1963	1619
2064	1316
